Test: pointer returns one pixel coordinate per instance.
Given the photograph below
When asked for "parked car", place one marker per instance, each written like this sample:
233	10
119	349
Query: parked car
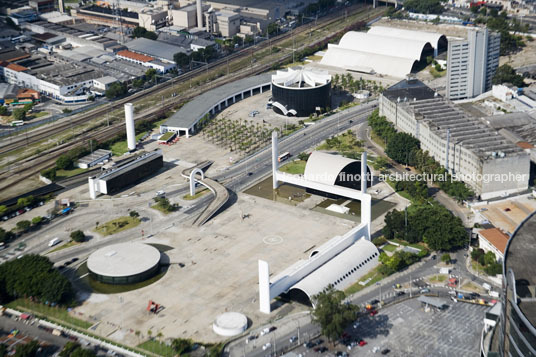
293	339
425	291
362	343
373	312
385	351
266	346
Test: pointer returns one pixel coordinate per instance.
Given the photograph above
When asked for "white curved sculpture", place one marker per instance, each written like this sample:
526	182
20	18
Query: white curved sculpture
192	179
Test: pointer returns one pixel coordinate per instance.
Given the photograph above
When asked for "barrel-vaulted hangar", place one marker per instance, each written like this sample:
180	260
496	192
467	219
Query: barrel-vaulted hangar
335	170
384	50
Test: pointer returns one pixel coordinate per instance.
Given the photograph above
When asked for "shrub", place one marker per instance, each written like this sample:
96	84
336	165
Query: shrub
379	241
78	236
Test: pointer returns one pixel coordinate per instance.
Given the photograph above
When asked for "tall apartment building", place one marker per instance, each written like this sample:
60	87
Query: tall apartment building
472	64
462	144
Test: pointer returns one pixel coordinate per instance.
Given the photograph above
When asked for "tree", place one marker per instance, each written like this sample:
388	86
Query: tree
303	156
3	110
424	6
181	345
477	253
181	59
134	214
115	90
332	314
27	107
64	162
150	74
402	147
19	114
273	29
6	236
27	349
142	32
489	258
23	225
506	74
37	220
445	258
78	236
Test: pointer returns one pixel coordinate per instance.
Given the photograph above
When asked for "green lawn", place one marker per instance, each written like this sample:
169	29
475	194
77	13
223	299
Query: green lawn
157	347
117	225
389	248
345	142
196	196
167	136
440	278
120	147
39	115
69	244
296	167
374	276
59	314
437	74
62	174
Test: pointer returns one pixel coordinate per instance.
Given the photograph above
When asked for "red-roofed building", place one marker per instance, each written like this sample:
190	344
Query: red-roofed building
493	240
134	57
28	96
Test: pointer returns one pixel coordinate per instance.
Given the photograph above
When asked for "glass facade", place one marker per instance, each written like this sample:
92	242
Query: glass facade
132	279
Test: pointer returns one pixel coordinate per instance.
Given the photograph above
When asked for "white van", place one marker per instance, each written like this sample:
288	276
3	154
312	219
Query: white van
53	242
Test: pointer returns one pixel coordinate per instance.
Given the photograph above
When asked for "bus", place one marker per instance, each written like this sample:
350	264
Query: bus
17	123
284	156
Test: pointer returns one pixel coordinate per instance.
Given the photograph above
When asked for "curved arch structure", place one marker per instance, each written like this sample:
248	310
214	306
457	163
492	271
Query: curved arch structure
438	41
350	265
194	172
335	170
395	53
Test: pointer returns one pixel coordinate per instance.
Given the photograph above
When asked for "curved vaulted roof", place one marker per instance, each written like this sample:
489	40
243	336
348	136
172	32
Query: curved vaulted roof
383	45
325	168
432	37
341	271
384	50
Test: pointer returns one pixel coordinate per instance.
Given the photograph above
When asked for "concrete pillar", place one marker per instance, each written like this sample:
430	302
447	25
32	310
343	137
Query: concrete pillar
242	95
251	93
219	106
264	287
199	10
366	213
364	175
92	192
261	89
234	99
275	154
187	133
129	124
374	3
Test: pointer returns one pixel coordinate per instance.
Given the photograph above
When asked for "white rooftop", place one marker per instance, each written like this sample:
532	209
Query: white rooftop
123	259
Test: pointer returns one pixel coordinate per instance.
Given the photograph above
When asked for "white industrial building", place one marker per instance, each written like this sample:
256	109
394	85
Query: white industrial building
465	146
387	51
472	63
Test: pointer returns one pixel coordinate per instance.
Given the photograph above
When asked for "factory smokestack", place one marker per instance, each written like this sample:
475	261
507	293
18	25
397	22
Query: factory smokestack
199	14
129	123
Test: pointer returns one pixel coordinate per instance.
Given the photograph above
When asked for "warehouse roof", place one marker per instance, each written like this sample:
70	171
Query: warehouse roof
194	110
155	49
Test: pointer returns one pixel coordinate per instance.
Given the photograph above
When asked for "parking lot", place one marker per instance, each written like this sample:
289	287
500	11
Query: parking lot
406	329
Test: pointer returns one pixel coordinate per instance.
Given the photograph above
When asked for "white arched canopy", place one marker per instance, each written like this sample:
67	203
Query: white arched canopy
342	271
393	53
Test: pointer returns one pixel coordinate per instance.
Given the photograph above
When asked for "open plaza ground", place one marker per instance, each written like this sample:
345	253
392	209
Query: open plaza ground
219	273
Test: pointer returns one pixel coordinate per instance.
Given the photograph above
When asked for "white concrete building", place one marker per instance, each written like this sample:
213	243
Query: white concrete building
472	64
478	155
391	52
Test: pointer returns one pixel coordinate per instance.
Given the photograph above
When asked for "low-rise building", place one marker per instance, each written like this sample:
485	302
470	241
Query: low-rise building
100	85
8	93
146	61
156	49
476	154
225	22
493	240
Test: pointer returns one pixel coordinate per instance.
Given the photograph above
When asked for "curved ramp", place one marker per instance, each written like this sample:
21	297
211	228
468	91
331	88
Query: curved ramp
221	195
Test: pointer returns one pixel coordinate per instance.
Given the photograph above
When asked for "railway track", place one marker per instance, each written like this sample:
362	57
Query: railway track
30	166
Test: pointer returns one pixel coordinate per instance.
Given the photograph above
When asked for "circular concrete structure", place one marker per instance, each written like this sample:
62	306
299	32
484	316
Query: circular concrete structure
230	324
124	263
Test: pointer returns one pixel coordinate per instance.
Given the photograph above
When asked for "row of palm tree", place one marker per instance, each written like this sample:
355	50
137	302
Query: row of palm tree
244	136
348	83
